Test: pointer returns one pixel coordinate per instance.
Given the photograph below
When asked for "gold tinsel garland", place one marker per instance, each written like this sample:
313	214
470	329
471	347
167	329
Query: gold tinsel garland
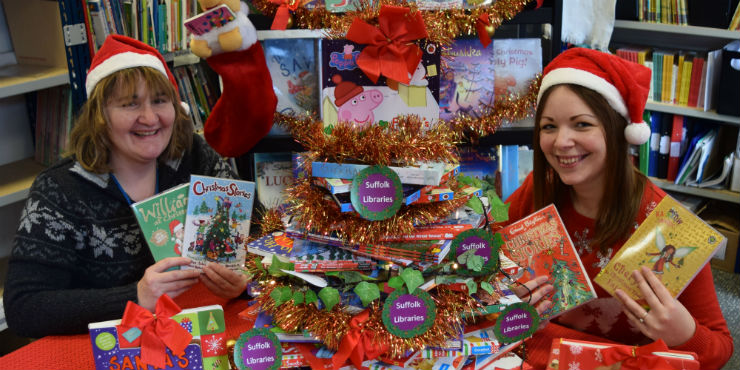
442	25
330	326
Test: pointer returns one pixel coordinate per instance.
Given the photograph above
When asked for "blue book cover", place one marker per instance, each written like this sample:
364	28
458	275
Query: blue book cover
217	221
467	84
655	118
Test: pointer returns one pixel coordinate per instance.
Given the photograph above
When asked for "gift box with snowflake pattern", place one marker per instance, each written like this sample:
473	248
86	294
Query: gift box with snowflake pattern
207	350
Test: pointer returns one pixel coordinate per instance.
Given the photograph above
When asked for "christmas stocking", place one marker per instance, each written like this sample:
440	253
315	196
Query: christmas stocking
243	114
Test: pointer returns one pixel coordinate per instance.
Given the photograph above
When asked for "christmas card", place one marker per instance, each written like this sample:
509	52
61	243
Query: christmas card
121	350
540	245
466	85
217	221
162	221
672	241
348	95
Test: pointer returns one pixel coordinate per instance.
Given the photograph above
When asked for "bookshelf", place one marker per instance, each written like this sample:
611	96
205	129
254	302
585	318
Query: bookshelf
688	38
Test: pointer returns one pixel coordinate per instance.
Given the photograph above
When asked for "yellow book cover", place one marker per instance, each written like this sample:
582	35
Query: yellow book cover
686	81
679	83
672	241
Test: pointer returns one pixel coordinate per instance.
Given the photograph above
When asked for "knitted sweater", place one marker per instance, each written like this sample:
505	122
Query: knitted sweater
603	316
79	253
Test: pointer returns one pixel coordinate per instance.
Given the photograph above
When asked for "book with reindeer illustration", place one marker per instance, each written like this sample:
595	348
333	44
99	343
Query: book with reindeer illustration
672	241
217	221
540	245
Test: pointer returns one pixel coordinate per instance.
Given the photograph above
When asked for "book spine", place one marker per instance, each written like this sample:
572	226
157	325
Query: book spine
408	175
675	147
664	146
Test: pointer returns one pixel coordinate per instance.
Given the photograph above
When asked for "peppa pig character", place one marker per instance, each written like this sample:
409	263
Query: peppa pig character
418	78
355	104
347	53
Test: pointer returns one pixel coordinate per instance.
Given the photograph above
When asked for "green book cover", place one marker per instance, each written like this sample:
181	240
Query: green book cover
162	220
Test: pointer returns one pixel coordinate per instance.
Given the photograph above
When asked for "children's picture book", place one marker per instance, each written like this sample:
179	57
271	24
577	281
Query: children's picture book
212	18
273	173
540	245
466	85
348	95
162	221
217	221
517	62
293	66
672	241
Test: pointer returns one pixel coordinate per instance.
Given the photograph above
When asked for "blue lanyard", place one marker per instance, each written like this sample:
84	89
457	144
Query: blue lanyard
125	196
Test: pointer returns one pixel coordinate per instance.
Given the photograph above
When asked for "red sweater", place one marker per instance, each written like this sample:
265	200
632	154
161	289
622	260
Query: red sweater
603	317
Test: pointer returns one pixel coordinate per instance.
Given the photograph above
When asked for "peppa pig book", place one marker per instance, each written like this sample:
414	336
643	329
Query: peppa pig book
348	95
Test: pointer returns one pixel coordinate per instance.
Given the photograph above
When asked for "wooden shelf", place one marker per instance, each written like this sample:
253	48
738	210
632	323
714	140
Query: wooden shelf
691	112
724	195
672	36
19	78
16	179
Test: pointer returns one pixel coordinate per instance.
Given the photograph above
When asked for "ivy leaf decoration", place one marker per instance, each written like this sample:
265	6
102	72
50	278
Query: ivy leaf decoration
445	279
463	257
311	297
395	282
412	278
298	298
472	286
278	265
367	292
281	295
330	297
349	277
258	264
487	287
475	204
475	262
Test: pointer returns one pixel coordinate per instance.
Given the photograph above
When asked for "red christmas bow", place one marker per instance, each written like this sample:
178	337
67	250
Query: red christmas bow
633	357
157	331
481	23
280	22
358	344
389	49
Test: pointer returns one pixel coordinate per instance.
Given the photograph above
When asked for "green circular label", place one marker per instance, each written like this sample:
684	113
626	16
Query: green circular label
516	322
376	193
408	315
105	341
476	252
258	349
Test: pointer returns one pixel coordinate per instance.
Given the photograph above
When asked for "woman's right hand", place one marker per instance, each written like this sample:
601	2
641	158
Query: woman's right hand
533	291
157	281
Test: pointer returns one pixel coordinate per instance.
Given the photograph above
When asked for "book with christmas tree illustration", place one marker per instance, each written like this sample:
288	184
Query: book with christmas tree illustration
162	221
540	245
217	221
672	241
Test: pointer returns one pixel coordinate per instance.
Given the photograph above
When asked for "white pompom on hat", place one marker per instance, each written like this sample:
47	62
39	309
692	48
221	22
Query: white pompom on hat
625	85
120	52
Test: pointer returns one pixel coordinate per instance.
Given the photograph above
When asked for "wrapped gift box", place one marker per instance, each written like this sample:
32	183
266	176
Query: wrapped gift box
207	350
566	353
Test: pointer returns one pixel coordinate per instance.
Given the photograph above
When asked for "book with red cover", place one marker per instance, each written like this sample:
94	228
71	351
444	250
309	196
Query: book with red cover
697	69
592	355
674	151
540	245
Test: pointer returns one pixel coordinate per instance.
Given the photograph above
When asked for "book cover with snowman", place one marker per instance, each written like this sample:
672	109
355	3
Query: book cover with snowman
348	95
217	221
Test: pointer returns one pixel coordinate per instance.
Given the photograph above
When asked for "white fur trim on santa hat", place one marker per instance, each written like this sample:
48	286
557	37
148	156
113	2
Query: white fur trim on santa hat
121	61
637	133
586	79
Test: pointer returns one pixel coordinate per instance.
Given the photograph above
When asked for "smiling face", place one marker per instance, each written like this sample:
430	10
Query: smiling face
140	124
572	139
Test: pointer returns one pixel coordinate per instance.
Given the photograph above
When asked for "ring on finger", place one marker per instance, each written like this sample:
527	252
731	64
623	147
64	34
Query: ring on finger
642	319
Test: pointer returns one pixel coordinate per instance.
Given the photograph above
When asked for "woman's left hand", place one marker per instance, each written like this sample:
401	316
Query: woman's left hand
667	318
223	281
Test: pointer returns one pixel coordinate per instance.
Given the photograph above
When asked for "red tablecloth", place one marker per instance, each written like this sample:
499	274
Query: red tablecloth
74	352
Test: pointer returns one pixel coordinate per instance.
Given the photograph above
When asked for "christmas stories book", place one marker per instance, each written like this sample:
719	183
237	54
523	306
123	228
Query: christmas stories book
162	221
540	245
217	221
672	241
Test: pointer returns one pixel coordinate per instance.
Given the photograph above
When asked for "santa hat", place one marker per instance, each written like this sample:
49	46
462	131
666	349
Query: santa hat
175	226
121	52
624	84
345	90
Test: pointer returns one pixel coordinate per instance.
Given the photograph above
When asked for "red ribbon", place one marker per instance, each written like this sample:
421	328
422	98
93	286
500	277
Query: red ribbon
389	48
481	23
282	15
157	330
633	357
358	343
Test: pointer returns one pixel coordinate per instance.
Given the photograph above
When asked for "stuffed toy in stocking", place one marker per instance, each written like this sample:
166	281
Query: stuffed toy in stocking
243	114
